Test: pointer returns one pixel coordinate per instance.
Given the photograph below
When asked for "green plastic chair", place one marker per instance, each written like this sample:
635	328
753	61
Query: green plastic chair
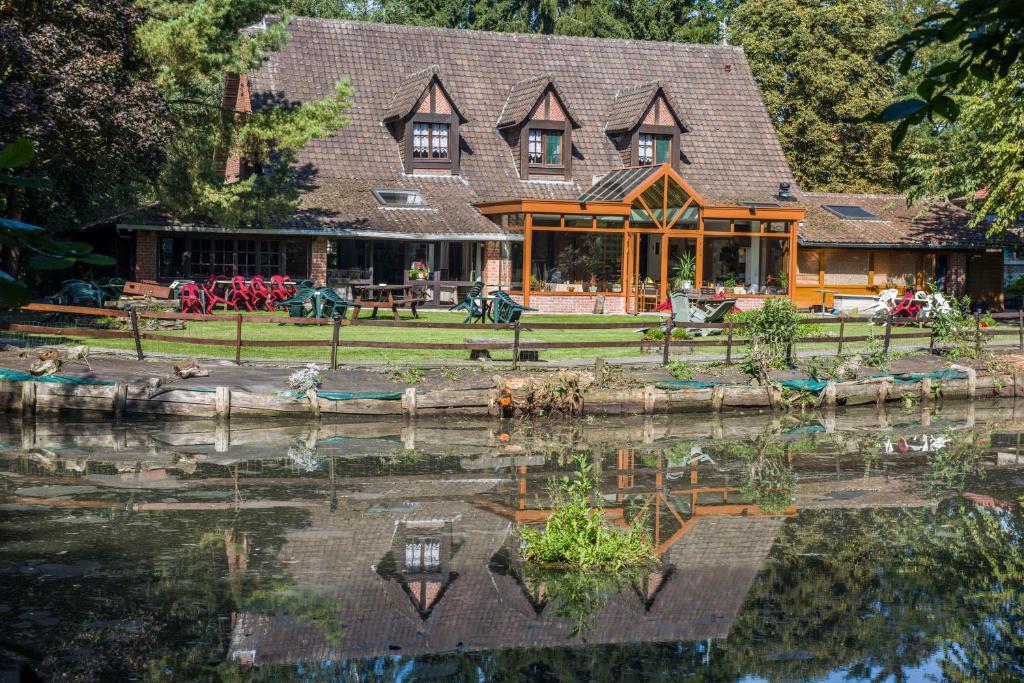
81	293
471	303
296	304
112	287
331	304
505	309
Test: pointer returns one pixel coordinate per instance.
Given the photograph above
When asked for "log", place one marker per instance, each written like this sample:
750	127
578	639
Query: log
682	400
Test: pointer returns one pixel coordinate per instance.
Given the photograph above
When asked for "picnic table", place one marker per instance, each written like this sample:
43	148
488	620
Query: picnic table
387	296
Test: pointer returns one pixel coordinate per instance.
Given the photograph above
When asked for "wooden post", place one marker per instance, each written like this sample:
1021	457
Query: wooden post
133	317
334	343
28	398
888	333
222	402
728	344
238	340
527	257
669	324
842	332
515	344
977	333
120	396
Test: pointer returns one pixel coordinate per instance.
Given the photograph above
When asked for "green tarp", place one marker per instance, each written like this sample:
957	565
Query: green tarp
813	386
19	376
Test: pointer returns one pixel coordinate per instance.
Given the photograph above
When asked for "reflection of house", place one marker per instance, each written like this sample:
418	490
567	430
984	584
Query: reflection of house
444	595
535	168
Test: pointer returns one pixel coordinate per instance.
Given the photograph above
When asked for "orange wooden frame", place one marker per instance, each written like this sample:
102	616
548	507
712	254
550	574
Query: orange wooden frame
630	248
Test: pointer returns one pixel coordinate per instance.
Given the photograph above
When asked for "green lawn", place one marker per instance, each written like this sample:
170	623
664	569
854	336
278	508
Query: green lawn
253	331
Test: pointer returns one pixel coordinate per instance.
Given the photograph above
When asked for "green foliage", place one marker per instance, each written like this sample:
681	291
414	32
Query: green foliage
409	375
956	330
1015	286
685	268
45	251
989	38
957	463
576	535
680	369
306	605
451	374
772	330
815	64
190	46
874	352
767	479
982	150
654	334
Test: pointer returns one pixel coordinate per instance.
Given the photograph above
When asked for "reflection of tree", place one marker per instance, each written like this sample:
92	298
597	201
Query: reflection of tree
959	461
879	592
767	477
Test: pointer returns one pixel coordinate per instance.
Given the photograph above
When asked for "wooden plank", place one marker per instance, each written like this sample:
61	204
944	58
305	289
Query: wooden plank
360	406
66	331
105	392
454	399
154	336
79	310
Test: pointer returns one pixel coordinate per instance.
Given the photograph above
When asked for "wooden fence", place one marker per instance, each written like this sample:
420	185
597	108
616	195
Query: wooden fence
730	338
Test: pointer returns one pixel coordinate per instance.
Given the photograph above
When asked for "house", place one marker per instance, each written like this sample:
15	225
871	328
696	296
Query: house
559	168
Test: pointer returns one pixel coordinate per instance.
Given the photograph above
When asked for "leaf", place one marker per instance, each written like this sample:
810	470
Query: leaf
42	262
926	89
945	107
20	181
13	293
11	224
942	69
902	109
900	133
17	153
96	260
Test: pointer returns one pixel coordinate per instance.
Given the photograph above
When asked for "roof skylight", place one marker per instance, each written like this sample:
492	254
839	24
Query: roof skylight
402	199
850	212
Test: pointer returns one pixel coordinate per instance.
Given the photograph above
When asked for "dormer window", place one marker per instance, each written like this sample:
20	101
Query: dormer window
424	120
430	140
645	126
538	126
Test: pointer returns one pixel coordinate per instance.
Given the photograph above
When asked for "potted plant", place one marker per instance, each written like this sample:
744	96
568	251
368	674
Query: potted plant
685	271
536	283
592	285
616	286
418	273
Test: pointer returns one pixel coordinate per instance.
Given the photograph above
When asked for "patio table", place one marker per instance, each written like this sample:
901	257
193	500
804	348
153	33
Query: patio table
387	296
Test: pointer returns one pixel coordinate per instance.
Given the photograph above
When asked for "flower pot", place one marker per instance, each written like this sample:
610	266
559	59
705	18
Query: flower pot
592	289
616	288
687	284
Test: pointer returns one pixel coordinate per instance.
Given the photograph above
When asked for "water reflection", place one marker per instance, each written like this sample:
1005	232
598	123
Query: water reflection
881	545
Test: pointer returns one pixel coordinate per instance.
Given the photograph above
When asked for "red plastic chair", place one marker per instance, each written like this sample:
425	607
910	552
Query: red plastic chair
239	294
261	296
280	288
191	302
212	298
907	307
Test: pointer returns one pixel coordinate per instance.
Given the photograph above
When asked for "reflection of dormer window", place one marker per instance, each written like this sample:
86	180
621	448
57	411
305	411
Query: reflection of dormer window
422	555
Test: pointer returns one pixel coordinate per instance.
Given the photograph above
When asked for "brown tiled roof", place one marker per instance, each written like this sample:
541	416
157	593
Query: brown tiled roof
938	226
731	152
411	90
522	97
631	104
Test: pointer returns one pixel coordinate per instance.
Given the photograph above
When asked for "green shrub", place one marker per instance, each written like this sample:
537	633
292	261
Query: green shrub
956	330
576	535
1016	285
772	330
680	369
654	334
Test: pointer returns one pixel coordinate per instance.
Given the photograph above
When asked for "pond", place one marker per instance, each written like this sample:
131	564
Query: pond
863	545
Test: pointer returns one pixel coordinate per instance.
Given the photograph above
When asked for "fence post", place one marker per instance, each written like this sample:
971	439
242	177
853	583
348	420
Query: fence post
1020	329
888	333
728	345
334	343
238	340
842	331
669	324
977	333
133	317
515	345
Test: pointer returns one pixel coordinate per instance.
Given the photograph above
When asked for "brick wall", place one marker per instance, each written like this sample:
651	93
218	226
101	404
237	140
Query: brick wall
574	303
497	270
318	270
956	277
145	255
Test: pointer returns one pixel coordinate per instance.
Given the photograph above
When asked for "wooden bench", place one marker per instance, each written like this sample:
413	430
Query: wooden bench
528	350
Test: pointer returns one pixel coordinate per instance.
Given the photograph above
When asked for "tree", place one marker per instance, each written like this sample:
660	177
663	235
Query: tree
72	80
989	37
814	62
190	46
980	156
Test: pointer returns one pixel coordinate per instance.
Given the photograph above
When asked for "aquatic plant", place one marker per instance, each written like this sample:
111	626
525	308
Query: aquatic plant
576	535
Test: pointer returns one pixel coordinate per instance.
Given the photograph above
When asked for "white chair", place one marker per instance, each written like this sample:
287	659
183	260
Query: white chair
885	302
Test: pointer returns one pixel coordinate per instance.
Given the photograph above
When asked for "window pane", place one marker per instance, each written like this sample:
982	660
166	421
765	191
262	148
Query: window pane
560	260
535	146
420	140
440	139
579	221
547	220
553	149
663	149
611	221
645	149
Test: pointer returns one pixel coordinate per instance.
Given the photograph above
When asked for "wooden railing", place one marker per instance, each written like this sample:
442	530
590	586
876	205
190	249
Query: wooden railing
730	338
